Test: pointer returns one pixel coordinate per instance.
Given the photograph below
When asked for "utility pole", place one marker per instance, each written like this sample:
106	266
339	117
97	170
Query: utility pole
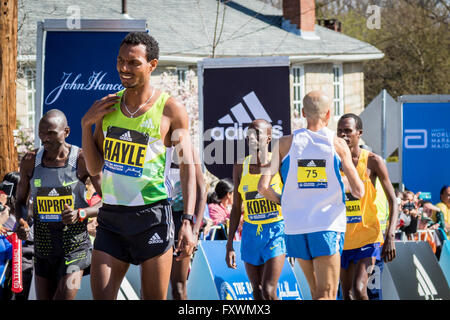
8	69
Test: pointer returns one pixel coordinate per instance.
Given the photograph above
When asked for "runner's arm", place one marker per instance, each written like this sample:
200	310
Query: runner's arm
378	166
200	201
280	150
235	216
355	183
180	138
23	189
236	208
92	144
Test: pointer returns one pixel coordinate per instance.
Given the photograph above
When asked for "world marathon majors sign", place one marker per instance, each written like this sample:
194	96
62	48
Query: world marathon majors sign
232	93
76	66
425	150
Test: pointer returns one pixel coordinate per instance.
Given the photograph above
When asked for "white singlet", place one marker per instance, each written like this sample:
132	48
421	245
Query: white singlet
313	197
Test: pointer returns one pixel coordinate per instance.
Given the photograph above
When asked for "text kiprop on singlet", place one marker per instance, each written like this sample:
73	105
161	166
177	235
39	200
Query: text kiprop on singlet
311	173
259	208
124	151
353	208
50	202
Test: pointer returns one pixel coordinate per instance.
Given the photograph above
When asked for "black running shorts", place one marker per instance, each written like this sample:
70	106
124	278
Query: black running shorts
135	234
56	267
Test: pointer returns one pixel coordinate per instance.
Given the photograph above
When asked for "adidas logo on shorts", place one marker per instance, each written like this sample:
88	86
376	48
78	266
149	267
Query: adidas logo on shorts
53	193
155	239
126	136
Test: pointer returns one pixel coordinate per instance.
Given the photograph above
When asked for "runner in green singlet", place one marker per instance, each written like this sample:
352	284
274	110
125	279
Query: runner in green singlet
133	128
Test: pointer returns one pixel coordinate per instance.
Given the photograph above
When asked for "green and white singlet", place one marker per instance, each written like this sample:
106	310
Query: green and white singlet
135	156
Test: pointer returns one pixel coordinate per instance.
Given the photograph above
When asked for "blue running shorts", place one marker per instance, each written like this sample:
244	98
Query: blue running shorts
308	246
260	243
369	250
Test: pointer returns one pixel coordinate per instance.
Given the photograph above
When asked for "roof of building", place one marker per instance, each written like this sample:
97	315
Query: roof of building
187	28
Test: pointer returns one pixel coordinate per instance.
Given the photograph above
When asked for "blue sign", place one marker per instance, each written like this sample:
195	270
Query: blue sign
209	269
426	147
79	68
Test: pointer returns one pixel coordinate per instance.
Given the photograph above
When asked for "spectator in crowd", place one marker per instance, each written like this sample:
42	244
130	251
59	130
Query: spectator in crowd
27	245
220	201
92	198
5	249
426	210
444	205
409	216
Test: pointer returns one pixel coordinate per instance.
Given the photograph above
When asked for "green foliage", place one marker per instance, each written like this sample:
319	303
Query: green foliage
414	37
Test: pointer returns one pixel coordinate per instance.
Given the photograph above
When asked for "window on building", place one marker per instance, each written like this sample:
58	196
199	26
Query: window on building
298	87
338	85
182	74
30	74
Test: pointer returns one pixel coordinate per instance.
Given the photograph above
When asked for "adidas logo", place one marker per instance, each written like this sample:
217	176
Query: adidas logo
147	124
311	164
241	114
126	136
155	239
53	193
425	286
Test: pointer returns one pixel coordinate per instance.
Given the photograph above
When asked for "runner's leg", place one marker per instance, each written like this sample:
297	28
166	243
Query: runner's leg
68	286
347	281
327	270
255	274
178	278
107	274
155	276
361	275
308	270
271	274
45	288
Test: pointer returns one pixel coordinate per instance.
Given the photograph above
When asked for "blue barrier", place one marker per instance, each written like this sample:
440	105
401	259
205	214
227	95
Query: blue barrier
211	279
444	260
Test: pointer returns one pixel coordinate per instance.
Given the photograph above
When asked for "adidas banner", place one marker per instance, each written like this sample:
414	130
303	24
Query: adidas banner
414	274
232	93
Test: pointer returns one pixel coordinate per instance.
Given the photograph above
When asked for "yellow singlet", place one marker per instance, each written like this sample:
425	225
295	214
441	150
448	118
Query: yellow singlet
363	226
257	209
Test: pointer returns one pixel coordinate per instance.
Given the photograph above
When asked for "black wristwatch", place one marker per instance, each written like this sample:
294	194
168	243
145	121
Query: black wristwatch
189	217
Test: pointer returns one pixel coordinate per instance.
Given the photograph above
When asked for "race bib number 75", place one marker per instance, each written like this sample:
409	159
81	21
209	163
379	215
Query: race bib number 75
311	173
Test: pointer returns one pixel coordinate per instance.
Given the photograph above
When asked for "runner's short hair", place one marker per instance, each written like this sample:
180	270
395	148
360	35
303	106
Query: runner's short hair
151	45
358	121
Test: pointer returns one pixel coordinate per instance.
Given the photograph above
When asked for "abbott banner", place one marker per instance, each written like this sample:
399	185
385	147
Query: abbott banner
76	66
426	143
232	93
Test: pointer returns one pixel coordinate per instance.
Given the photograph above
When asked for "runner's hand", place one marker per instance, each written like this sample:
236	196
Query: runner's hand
186	242
99	109
230	257
388	253
22	229
68	216
4	231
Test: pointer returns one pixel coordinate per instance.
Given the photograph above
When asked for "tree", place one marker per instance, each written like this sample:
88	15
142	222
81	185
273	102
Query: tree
8	66
414	37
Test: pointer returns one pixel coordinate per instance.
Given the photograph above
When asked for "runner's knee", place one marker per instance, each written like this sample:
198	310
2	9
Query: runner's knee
269	291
